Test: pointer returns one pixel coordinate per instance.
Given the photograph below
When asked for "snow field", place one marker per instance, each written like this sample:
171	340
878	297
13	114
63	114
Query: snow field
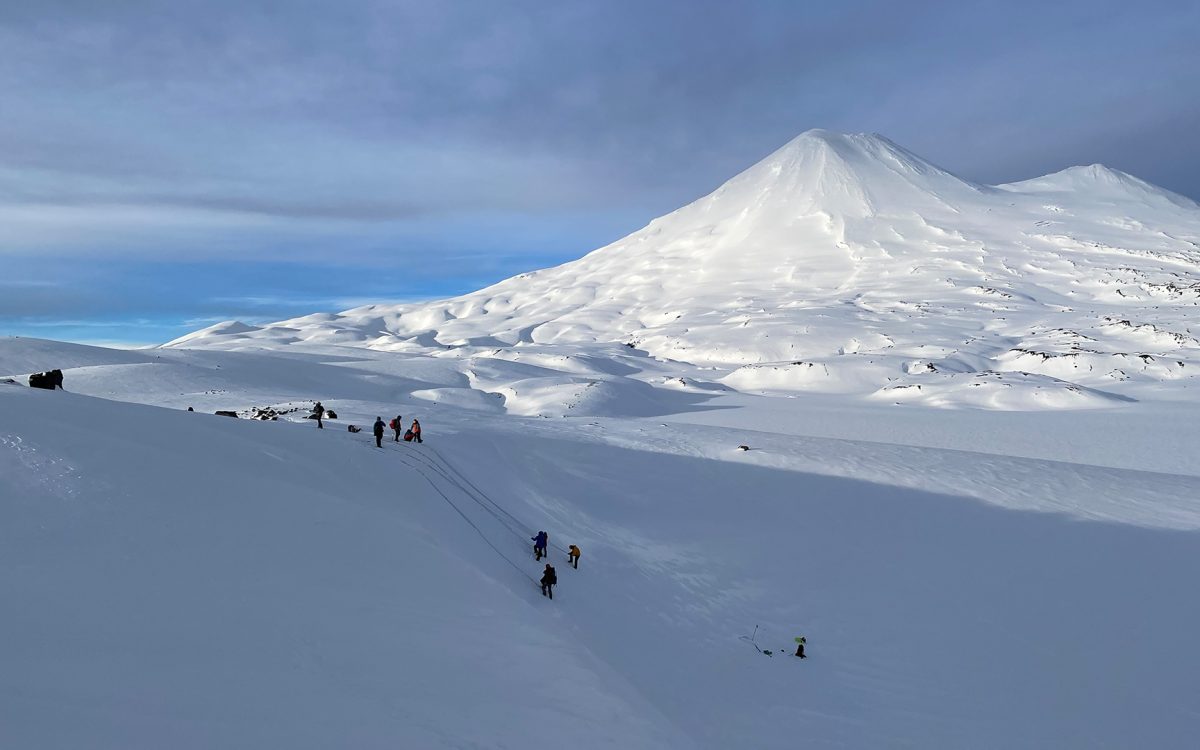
189	580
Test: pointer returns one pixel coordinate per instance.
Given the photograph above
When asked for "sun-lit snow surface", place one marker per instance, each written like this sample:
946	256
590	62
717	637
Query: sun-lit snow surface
843	263
966	578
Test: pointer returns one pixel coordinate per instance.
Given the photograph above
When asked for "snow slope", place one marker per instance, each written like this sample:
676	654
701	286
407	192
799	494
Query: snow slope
845	263
182	580
965	578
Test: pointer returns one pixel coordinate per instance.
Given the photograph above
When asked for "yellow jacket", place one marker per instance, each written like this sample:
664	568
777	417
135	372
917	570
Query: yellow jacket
573	551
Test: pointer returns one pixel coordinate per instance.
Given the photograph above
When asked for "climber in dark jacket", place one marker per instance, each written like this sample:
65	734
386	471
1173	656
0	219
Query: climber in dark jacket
549	578
379	432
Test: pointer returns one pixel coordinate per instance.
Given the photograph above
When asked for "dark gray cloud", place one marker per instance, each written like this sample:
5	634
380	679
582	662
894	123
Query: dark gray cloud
363	110
494	136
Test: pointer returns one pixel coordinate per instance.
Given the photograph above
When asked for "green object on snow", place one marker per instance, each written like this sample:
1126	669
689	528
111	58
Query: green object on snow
800	639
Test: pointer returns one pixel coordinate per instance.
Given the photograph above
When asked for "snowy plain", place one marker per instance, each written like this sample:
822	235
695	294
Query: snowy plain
989	539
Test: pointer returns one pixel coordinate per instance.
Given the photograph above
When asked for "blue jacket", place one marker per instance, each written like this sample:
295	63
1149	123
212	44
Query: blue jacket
540	539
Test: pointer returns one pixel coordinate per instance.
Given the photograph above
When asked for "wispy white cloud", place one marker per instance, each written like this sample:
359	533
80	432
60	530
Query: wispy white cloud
314	302
91	323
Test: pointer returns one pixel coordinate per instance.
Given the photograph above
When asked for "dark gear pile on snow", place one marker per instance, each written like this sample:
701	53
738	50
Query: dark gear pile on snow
48	380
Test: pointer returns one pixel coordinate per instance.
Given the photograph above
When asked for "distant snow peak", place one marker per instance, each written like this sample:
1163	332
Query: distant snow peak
1101	182
224	328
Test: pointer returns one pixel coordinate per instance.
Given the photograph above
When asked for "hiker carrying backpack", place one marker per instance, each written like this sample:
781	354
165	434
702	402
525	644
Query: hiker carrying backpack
549	578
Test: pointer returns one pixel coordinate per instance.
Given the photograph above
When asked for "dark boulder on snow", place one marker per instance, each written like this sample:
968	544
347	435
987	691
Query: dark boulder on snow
48	380
743	447
330	414
226	414
353	428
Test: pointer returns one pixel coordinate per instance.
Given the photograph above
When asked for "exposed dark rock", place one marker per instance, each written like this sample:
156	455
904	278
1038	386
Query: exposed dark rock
48	380
226	414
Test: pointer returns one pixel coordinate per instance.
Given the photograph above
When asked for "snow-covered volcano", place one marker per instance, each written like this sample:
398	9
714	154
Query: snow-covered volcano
846	263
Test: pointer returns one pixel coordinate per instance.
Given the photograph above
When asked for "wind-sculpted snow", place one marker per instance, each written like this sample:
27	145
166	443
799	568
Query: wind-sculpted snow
854	256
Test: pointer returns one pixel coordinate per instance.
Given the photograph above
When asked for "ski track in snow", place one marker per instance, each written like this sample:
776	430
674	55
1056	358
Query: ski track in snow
41	470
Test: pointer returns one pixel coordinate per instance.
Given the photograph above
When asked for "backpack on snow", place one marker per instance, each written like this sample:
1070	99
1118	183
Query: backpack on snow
408	436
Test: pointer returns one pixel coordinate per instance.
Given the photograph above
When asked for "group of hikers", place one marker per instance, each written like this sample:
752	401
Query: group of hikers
411	435
549	575
541	541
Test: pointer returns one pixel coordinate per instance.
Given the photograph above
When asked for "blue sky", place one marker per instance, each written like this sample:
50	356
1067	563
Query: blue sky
167	165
